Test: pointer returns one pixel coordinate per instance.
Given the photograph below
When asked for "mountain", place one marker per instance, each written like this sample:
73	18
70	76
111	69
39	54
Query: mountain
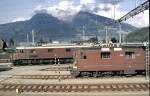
94	23
44	25
140	35
48	27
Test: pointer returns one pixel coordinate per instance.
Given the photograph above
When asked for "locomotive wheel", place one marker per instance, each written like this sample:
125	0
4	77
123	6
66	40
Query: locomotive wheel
107	74
95	74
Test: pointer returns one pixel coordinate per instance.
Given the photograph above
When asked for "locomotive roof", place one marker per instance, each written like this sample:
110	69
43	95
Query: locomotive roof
122	45
86	46
53	46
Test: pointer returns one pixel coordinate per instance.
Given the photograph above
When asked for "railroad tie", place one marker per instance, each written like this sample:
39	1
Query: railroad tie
74	87
34	87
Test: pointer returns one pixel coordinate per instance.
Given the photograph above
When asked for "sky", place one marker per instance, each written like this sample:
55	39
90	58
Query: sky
20	10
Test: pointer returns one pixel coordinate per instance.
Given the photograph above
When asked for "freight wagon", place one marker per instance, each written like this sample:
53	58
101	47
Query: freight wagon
49	54
109	60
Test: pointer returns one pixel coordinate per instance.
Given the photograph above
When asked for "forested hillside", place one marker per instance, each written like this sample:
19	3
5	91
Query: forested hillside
140	35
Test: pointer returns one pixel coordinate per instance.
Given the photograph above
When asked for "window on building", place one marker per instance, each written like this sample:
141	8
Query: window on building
50	50
130	55
105	55
68	50
32	51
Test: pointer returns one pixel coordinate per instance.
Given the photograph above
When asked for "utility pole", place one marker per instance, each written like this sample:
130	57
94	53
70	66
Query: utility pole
106	39
114	11
33	37
27	38
83	33
119	33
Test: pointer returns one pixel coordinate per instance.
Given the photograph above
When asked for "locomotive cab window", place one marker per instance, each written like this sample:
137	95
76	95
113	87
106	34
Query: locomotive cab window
32	51
68	50
105	55
83	56
50	50
129	55
21	51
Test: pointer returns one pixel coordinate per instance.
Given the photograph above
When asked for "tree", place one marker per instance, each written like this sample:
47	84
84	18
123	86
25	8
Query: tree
11	43
50	41
94	39
41	40
4	45
103	41
113	40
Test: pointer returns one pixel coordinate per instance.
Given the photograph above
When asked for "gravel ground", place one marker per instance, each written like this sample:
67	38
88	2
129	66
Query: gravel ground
8	77
76	81
45	73
6	64
22	69
4	75
77	94
29	70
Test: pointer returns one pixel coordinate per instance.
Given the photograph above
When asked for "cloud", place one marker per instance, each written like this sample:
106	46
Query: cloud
104	7
113	2
107	10
66	10
140	20
64	5
20	19
85	2
38	7
62	10
40	11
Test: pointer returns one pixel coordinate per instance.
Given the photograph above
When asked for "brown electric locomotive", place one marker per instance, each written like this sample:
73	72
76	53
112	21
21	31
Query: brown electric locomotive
110	59
49	54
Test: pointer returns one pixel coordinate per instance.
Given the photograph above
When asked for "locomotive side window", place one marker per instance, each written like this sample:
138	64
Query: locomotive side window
68	50
50	50
21	51
130	55
83	56
32	51
105	55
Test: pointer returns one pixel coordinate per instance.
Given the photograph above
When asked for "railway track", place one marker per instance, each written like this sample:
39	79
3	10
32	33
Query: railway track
47	77
57	68
43	77
125	87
